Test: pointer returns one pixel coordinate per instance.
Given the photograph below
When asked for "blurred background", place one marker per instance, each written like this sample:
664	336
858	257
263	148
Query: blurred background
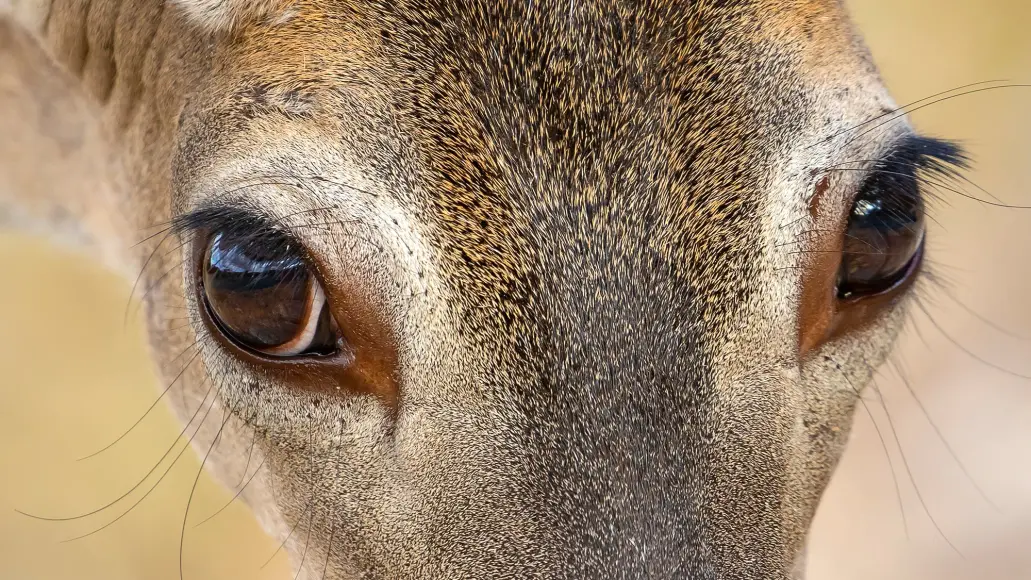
945	496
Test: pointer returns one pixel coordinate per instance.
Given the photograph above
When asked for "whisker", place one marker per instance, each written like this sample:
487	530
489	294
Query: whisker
905	462
332	529
165	228
152	405
312	499
315	489
941	436
823	230
180	327
307	507
937	101
193	489
153	286
153	487
891	464
966	350
952	175
146	264
791	223
235	497
991	324
807	252
304	552
298	181
946	188
295	180
902	108
134	487
250	451
909	472
329	549
884	446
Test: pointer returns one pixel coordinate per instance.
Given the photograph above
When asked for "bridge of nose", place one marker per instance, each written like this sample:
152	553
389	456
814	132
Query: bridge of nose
640	463
613	419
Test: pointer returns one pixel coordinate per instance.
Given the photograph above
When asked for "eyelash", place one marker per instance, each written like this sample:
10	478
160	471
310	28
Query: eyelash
257	231
251	235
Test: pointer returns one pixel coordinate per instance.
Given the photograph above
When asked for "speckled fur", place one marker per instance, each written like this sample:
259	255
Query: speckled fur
582	221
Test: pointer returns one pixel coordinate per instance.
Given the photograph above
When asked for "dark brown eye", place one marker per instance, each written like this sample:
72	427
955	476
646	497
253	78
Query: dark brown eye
884	237
262	294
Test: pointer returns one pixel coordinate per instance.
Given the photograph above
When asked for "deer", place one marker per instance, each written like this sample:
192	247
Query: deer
536	289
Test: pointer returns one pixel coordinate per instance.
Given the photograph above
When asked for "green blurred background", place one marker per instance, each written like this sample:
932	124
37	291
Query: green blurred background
74	376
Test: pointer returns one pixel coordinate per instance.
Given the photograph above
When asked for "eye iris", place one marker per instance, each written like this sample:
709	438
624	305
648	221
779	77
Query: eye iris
884	236
264	296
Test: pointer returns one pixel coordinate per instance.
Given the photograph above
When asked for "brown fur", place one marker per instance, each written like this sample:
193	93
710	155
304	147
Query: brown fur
569	217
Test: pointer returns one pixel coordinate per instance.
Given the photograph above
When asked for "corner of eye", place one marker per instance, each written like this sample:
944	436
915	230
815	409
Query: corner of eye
230	15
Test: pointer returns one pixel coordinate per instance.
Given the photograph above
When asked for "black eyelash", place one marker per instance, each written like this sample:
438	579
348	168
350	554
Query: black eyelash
928	153
916	161
235	220
251	232
241	223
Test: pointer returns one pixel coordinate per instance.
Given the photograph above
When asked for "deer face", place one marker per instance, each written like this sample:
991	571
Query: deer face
534	289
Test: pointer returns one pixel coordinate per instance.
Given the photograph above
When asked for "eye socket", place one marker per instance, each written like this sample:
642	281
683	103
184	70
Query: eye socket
884	237
261	293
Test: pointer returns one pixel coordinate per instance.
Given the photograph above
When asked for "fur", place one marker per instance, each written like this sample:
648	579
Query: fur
229	15
579	222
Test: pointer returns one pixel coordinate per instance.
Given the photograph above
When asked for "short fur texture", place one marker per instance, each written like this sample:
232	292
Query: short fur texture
580	220
230	15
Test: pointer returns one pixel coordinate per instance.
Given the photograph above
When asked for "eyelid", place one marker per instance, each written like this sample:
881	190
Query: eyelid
235	219
241	222
912	164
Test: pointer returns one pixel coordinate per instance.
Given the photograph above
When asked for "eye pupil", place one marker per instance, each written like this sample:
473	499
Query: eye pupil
884	236
263	295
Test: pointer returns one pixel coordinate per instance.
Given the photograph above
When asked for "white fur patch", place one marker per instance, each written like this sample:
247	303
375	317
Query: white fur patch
28	13
230	14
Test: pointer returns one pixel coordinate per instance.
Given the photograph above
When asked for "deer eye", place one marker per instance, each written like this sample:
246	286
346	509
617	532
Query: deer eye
262	294
885	234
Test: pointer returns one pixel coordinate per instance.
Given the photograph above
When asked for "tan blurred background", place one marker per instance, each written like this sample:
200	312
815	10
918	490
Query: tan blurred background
73	376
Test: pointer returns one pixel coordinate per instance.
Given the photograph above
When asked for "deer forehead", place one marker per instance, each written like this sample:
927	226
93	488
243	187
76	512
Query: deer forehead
462	133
